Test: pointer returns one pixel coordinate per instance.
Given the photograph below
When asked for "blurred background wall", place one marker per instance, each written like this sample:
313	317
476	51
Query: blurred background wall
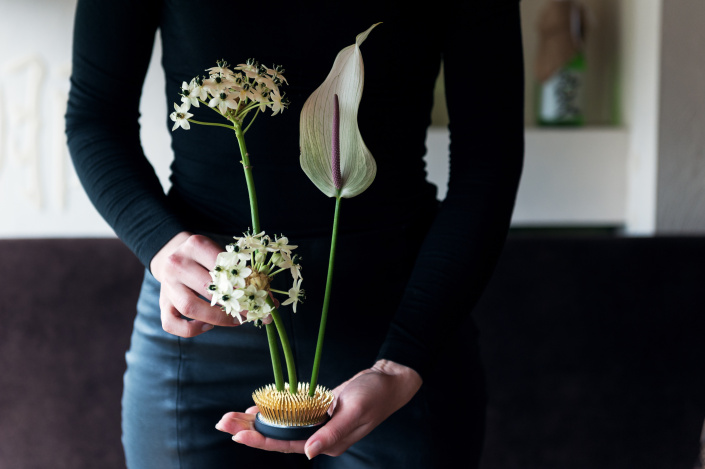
40	195
635	166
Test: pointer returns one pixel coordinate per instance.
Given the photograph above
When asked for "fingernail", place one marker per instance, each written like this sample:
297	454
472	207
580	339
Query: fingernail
218	426
236	439
313	450
207	327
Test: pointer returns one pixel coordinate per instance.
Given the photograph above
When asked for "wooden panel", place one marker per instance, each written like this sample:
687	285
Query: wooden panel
680	199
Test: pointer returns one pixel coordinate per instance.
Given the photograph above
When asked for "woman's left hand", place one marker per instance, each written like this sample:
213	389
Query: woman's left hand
361	403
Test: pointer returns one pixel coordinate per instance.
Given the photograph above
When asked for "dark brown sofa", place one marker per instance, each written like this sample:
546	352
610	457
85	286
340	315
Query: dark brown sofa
594	352
66	313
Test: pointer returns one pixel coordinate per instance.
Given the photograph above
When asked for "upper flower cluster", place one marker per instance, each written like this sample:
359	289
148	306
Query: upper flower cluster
241	279
232	92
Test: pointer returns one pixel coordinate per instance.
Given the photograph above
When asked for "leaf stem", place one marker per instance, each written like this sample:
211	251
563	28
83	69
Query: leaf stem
326	301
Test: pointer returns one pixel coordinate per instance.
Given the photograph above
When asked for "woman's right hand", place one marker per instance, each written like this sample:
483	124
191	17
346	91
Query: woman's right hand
182	267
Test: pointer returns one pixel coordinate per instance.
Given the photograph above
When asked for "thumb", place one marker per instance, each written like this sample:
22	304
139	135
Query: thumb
329	438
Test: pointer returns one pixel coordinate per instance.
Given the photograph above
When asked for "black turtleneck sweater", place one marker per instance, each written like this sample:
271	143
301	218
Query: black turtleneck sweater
480	46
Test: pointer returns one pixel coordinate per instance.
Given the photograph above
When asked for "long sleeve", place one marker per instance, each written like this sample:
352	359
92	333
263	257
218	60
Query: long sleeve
112	47
483	69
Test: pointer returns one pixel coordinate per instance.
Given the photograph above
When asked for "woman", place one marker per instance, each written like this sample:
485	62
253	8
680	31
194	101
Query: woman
409	269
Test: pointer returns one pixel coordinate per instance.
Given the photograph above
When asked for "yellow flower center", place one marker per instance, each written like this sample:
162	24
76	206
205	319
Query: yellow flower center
259	280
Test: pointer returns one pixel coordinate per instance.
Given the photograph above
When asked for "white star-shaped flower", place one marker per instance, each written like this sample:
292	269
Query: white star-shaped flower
252	298
219	71
259	313
268	82
250	70
281	244
187	96
226	297
215	85
295	294
239	273
291	263
277	104
223	100
180	116
228	259
241	252
276	73
222	284
196	89
251	241
259	94
238	93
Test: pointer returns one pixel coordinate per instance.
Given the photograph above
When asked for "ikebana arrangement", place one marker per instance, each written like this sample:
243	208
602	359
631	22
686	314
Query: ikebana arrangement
335	158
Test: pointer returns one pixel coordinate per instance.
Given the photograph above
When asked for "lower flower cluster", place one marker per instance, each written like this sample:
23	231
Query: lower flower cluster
241	279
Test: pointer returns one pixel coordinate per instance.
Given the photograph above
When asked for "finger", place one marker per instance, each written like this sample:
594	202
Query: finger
252	410
203	250
174	323
336	436
183	269
234	422
257	440
242	427
193	307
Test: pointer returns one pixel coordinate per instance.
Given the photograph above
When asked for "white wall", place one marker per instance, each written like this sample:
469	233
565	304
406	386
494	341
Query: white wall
40	195
641	48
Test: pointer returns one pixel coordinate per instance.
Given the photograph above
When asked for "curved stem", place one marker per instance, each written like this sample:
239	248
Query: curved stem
326	301
272	274
251	120
255	104
211	123
216	110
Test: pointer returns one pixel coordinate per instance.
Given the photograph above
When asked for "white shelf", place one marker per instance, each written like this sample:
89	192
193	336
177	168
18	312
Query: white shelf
571	177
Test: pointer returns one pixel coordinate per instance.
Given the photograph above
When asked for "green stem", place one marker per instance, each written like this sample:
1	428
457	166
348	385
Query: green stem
326	302
276	360
273	349
288	354
248	178
211	123
251	120
255	104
